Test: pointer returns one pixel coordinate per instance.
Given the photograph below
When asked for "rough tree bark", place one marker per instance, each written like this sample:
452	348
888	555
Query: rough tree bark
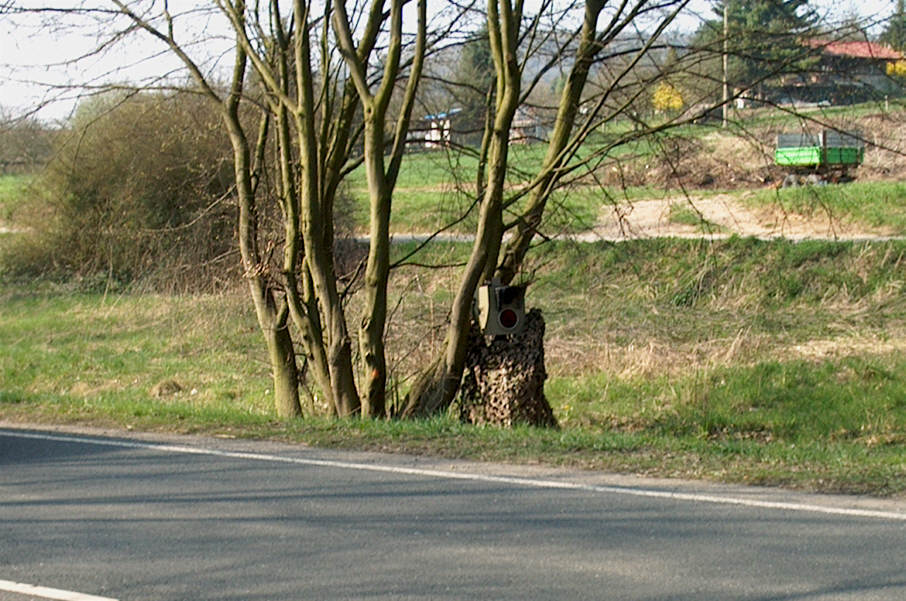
503	382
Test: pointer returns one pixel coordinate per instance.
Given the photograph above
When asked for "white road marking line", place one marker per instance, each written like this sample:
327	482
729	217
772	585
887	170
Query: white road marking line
47	593
514	480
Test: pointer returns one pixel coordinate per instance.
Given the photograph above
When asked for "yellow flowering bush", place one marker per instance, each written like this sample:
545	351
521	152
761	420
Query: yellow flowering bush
667	98
897	69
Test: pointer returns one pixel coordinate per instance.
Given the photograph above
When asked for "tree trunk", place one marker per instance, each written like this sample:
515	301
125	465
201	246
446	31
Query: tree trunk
503	383
271	321
381	180
556	156
316	226
285	372
435	388
377	272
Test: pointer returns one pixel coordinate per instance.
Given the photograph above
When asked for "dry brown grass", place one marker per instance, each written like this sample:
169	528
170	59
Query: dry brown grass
627	323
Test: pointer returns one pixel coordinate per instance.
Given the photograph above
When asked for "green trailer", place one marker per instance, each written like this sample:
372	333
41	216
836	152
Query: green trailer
823	153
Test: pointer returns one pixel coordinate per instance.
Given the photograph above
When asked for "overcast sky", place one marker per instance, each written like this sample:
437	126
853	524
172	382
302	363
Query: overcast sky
33	55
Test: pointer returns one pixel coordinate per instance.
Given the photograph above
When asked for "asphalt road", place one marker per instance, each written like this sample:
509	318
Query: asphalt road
191	519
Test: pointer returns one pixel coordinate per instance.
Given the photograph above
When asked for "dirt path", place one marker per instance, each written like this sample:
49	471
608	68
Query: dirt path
720	216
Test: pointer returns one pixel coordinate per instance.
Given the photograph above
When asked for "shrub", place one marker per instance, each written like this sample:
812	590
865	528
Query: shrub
25	144
897	69
138	189
666	98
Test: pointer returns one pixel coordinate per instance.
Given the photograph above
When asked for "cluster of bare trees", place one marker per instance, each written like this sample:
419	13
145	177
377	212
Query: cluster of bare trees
318	89
25	144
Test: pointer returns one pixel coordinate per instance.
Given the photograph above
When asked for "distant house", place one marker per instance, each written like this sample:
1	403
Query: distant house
845	72
527	127
453	127
862	56
439	133
859	62
457	127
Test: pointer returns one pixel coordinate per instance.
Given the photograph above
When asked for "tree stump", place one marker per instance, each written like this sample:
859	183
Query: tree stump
503	382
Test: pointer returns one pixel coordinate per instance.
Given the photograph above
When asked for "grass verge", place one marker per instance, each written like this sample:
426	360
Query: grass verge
875	204
739	361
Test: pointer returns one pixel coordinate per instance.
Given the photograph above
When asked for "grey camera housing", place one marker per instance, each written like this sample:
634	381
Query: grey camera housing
499	309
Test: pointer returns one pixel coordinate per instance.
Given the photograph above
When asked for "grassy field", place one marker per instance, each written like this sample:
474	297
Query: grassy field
878	204
742	361
436	189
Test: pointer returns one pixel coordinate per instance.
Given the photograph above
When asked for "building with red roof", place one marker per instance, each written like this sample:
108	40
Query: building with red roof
856	50
844	72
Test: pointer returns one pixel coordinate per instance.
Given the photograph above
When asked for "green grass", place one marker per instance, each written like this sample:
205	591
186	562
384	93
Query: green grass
11	189
794	402
876	204
421	210
825	424
773	118
94	355
686	215
740	361
436	188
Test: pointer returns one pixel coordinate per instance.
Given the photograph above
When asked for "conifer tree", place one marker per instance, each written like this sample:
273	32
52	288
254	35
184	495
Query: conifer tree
764	38
895	33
